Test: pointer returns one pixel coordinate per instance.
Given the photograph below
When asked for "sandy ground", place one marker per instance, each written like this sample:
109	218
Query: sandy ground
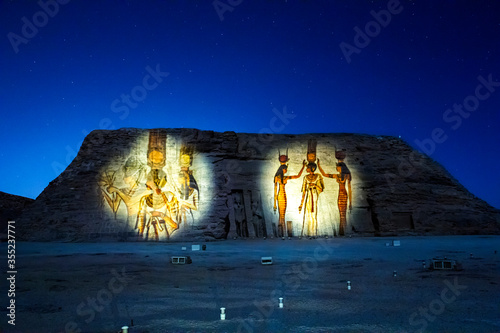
100	287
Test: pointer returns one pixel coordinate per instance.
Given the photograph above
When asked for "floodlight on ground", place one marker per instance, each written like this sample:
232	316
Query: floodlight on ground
281	302
266	260
348	285
125	329
445	264
181	260
222	313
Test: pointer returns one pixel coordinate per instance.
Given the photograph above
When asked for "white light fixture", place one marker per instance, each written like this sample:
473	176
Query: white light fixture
222	313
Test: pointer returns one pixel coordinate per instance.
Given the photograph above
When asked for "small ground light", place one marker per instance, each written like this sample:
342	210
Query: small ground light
125	329
222	313
423	264
395	273
348	285
281	302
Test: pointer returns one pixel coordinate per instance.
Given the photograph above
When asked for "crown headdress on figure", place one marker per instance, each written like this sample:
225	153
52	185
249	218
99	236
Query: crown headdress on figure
340	154
186	156
283	158
311	150
157	148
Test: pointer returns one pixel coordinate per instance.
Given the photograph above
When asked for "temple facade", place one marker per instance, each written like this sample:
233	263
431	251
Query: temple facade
187	184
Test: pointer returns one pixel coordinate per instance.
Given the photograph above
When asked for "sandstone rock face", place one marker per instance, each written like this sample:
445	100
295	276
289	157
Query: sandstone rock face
187	184
11	207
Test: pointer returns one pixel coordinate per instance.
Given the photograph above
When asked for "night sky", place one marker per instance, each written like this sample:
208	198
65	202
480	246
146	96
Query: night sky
425	71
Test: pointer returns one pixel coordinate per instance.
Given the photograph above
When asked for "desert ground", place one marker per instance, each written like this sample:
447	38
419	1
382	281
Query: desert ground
100	287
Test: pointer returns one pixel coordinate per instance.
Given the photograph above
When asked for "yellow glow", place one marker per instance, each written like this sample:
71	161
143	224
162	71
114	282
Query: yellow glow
185	161
156	157
328	214
166	194
161	203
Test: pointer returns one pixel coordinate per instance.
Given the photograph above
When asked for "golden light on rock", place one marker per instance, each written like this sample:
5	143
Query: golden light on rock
152	191
156	157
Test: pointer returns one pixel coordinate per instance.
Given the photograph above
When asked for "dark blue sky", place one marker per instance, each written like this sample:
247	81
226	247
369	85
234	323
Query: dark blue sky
72	72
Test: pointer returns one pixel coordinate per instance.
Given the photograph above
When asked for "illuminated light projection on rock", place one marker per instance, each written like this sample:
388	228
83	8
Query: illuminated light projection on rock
192	185
154	192
162	188
309	205
280	200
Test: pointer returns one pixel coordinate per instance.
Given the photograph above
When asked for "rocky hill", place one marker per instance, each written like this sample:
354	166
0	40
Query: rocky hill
11	207
187	184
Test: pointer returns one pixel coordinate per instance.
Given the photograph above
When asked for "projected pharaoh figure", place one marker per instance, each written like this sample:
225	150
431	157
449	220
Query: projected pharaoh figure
134	173
312	187
159	209
188	187
280	181
345	194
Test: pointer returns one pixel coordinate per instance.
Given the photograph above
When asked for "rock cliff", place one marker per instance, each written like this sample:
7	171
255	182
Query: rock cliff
187	184
11	207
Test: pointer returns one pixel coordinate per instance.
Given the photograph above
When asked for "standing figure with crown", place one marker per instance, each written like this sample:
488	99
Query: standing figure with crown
187	189
343	177
312	187
280	181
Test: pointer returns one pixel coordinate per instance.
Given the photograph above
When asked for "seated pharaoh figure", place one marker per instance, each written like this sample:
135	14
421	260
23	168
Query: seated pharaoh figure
159	209
129	190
